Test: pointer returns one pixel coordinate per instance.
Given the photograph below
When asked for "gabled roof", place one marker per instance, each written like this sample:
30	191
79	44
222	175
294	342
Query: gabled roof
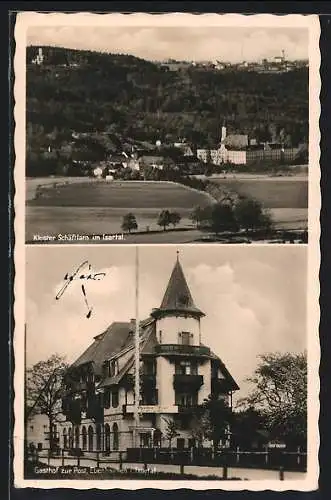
106	344
118	337
177	297
225	371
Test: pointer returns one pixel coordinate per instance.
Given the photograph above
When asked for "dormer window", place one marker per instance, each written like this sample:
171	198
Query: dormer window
113	368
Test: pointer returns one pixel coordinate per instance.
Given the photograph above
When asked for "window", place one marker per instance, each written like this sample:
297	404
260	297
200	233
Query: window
149	397
84	401
191	443
107	437
180	443
77	436
160	336
98	436
186	399
113	368
31	427
84	438
185	338
65	442
186	368
90	438
145	439
106	399
149	367
114	398
115	437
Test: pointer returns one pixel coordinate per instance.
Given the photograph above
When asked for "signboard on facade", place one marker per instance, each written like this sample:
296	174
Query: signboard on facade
274	445
153	409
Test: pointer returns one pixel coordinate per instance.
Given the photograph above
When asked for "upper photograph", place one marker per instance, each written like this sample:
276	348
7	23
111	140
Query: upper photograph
167	133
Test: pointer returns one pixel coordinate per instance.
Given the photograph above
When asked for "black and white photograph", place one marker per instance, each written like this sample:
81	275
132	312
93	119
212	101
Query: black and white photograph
171	131
167	225
162	364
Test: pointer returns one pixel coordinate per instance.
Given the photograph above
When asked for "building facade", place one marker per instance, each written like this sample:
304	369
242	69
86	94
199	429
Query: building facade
177	373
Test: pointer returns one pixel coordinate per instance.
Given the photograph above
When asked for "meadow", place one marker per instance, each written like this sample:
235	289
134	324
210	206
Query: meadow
90	207
272	192
122	194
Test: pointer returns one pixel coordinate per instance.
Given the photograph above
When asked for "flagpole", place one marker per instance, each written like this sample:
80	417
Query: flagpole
137	356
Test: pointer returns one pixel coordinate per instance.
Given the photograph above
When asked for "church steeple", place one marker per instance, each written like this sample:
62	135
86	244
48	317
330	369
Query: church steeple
177	297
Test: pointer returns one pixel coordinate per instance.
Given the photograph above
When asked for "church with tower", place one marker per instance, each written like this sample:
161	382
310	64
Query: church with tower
178	371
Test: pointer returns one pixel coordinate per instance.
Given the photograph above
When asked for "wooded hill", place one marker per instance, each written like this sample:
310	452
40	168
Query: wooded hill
134	99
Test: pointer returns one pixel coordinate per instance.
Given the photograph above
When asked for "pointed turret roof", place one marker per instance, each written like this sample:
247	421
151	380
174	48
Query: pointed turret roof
177	297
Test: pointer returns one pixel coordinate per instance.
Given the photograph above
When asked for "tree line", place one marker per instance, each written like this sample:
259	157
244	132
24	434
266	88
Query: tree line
229	214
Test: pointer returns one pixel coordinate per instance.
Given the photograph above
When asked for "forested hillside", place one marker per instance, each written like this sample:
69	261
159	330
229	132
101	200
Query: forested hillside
135	99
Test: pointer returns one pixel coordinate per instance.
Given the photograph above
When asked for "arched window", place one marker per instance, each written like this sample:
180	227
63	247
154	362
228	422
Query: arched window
157	438
115	437
84	437
65	438
71	440
107	437
77	436
90	438
98	433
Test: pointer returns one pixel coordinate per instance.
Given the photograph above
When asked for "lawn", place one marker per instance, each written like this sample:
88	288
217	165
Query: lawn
121	194
271	192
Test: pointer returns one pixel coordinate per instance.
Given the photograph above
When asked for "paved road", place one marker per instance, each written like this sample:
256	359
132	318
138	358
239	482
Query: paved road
240	473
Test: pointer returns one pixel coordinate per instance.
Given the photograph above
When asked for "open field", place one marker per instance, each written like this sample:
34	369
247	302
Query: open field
119	194
88	206
272	192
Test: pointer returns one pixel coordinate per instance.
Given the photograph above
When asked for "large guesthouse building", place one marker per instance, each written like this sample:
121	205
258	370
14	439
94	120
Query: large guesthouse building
177	373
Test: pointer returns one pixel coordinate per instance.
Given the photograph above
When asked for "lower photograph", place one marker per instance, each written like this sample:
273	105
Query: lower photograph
172	363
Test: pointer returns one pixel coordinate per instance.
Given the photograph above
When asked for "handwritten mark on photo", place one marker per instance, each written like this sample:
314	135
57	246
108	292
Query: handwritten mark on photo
79	275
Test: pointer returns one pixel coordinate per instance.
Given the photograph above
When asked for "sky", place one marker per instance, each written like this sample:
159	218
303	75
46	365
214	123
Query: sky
230	44
254	298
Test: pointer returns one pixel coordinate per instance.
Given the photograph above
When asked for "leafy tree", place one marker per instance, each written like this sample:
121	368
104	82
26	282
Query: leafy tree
164	219
280	393
199	427
175	218
222	218
250	215
201	215
247	424
171	431
44	388
129	222
216	419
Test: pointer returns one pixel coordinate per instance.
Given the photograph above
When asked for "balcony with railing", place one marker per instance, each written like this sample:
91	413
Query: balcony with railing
147	380
187	381
182	349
